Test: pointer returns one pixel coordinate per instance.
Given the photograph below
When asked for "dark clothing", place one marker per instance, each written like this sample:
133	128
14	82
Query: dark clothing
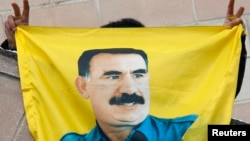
5	45
243	58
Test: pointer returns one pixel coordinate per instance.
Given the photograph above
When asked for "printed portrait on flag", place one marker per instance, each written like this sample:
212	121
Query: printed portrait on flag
163	83
116	81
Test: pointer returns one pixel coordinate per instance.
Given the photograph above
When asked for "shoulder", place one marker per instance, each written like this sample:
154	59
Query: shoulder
93	135
180	123
73	137
166	128
186	118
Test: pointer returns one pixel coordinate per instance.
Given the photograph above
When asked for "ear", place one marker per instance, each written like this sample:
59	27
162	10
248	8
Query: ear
80	83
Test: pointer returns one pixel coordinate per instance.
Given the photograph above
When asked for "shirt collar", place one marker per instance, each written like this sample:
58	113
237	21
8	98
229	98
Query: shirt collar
143	128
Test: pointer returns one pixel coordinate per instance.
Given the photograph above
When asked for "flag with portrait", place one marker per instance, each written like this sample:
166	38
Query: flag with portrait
193	70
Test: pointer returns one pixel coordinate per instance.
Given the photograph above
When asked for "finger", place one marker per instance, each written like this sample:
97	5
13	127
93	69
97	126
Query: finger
10	36
26	8
8	32
11	23
18	22
235	22
7	27
240	12
230	8
16	9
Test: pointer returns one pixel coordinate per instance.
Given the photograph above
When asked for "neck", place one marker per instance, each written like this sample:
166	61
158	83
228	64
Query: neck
116	133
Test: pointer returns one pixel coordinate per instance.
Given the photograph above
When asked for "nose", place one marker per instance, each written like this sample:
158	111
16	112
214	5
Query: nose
128	85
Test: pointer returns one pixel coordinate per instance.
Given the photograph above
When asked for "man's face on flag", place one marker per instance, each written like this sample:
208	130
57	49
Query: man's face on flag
118	87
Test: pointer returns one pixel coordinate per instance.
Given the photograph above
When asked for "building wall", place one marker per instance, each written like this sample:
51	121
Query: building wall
94	13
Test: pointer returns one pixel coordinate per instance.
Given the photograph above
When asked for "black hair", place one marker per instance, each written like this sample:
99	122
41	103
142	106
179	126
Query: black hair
123	23
85	58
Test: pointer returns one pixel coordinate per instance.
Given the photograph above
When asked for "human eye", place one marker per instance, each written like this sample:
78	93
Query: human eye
112	77
139	75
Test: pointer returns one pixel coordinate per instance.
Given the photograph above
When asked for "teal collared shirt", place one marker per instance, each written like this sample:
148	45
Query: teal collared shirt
153	128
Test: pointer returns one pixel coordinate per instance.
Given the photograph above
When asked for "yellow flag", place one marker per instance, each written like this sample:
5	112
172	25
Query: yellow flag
193	70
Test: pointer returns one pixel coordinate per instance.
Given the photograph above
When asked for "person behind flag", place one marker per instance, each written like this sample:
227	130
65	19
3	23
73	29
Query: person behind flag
19	18
23	19
116	80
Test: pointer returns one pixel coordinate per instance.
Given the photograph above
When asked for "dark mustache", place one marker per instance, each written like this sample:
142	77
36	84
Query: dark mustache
127	98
